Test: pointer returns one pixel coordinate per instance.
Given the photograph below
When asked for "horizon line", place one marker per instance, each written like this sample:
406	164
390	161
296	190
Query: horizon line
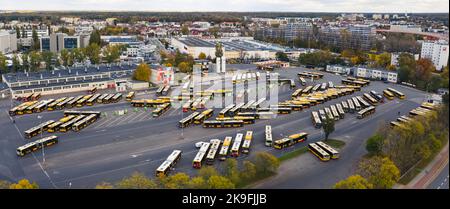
228	11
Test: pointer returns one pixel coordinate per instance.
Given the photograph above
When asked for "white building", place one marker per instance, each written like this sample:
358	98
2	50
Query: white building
376	74
437	52
338	69
8	41
395	56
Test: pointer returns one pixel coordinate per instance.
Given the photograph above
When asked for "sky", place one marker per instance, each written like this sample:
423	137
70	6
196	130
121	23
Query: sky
378	6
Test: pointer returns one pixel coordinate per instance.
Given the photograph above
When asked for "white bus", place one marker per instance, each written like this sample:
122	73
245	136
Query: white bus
215	143
169	163
269	139
316	119
225	147
236	145
198	159
247	142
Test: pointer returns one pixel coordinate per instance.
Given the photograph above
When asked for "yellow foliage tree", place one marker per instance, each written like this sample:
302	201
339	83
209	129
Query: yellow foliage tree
104	185
202	56
24	184
136	181
142	73
177	181
219	182
353	182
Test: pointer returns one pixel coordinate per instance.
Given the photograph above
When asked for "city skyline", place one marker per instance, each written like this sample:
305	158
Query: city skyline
361	6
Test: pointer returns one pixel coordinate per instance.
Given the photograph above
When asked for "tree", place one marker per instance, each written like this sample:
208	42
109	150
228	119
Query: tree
206	172
111	53
249	171
25	61
142	73
24	34
219	50
265	163
374	144
24	184
47	58
185	30
353	182
202	56
66	57
136	181
183	67
3	67
95	38
15	63
219	182
383	60
78	55
407	67
177	181
104	185
379	171
197	183
35	60
230	169
36	44
281	56
4	184
328	126
92	52
424	69
17	32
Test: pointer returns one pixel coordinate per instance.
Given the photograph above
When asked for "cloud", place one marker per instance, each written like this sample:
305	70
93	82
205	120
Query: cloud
233	5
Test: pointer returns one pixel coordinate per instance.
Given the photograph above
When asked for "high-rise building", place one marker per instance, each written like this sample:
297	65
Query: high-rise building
437	52
286	32
56	42
8	41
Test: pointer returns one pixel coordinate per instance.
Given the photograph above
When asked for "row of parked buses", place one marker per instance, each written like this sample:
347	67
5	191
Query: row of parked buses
160	109
211	150
169	163
163	90
323	151
306	74
29	97
423	110
280	81
64	102
245	77
355	82
198	103
36	145
390	93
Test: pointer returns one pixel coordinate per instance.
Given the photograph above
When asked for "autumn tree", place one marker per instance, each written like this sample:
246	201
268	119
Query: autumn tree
78	55
66	57
92	52
230	169
202	56
248	171
24	184
197	182
185	30
4	184
206	172
328	126
383	60
219	182
353	182
379	171
111	53
374	144
104	185
142	73
424	70
265	163
3	67
95	38
136	181
176	181
183	67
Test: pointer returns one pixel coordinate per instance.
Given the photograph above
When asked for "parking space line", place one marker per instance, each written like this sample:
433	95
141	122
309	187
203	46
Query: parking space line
112	122
126	118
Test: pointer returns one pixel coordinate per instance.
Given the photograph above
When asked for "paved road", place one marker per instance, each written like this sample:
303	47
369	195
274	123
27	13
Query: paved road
116	146
441	181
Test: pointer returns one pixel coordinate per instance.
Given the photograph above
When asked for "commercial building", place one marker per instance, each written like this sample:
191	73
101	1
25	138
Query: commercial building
56	42
396	55
72	79
125	40
364	72
287	32
437	52
195	46
8	41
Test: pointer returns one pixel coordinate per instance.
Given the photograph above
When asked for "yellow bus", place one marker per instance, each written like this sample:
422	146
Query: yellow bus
319	152
388	94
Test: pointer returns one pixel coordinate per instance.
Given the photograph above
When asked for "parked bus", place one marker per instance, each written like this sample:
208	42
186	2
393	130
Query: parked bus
91	100
108	99
247	106
330	84
257	104
334	154
84	122
93	90
376	95
83	101
68	125
222	124
388	94
77	112
36	145
22	109
351	107
340	110
160	110
302	81
335	113
224	111
225	147
328	113
30	108
236	145
307	90
54	126
165	91
101	98
319	152
159	91
203	116
370	99
116	98
130	96
233	111
323	115
73	102
316	119
289	141
247	142
428	105
316	87
187	106
362	102
185	122
356	103
296	94
26	97
397	93
169	163
365	112
37	129
268	140
211	156
36	96
198	159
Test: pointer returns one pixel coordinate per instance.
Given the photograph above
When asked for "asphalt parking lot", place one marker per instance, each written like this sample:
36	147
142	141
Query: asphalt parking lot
117	145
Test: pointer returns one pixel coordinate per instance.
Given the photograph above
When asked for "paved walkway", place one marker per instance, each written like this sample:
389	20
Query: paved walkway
425	177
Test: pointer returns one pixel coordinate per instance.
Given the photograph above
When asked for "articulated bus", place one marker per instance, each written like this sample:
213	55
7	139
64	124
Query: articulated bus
247	142
351	107
222	124
54	126
68	125
169	163
30	108
225	110
233	111
334	154
108	99
268	140
160	110
257	104
82	101
316	119
236	145
91	100
67	118
36	145
291	140
13	111
225	147
335	113
73	102
247	106
365	112
37	129
276	110
319	152
100	98
388	94
356	103
198	159
130	96
370	99
246	120
52	106
302	81
362	102
43	106
84	122
76	113
116	98
397	93
340	110
203	116
185	122
22	110
211	156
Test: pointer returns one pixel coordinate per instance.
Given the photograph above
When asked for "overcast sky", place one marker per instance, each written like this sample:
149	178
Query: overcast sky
398	6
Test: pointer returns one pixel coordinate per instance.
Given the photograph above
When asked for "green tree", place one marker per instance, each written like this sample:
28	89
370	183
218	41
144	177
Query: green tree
66	57
281	56
78	55
197	183
95	38
207	171
185	30
220	182
202	56
353	182
407	67
177	181
374	144
15	63
47	58
25	61
35	60
92	52
111	53
142	73
36	44
104	185
219	50
265	163
4	184
230	169
136	181
183	67
24	34
17	32
328	126
3	67
380	171
248	171
383	60
24	184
